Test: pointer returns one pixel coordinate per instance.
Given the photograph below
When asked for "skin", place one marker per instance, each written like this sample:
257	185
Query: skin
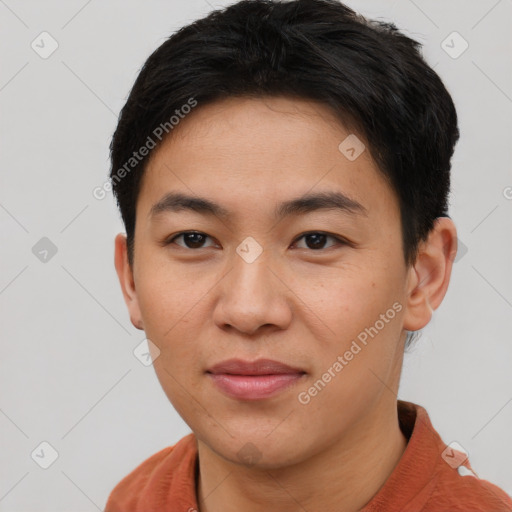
301	305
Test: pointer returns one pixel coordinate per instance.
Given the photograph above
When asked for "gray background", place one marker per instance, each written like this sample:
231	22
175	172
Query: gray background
68	373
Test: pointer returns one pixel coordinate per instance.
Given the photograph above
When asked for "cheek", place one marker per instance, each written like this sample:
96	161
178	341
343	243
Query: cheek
170	313
167	298
350	299
352	364
362	309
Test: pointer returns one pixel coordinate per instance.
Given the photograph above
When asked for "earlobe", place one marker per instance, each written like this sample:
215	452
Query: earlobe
429	277
126	280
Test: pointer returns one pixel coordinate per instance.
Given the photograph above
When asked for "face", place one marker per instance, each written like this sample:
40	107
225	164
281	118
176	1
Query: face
295	255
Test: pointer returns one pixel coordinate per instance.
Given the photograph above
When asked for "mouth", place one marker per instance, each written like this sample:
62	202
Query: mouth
253	380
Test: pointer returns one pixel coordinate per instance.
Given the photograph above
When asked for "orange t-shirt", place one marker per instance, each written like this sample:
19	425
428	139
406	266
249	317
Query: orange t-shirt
429	477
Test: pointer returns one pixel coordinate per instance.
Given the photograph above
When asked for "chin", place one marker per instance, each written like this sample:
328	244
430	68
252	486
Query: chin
257	451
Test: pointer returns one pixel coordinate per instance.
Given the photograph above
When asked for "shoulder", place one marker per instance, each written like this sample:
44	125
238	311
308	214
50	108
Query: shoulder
151	476
460	489
432	476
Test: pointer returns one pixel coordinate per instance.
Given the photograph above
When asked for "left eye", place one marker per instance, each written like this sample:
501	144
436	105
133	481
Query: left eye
316	240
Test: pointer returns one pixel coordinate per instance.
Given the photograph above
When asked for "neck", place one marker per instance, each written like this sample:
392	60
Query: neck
344	477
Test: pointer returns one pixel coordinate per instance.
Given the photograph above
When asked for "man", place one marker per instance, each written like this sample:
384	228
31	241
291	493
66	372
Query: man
282	170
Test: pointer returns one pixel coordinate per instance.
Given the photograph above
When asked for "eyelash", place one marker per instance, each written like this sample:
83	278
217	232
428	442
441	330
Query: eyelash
340	241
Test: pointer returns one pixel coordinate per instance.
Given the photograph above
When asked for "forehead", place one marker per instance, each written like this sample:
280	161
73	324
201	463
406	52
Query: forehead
254	153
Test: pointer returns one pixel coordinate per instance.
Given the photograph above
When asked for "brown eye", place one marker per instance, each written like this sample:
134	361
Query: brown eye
191	239
316	240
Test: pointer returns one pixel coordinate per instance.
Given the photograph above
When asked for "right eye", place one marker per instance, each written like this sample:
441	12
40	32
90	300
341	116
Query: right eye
191	239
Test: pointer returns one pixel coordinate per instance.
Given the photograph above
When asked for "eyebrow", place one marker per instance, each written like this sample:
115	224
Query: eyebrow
310	202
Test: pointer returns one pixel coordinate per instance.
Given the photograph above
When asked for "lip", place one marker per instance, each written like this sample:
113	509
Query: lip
258	367
253	380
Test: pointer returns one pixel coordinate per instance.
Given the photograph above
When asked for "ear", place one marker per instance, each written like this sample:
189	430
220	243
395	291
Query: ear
430	275
125	275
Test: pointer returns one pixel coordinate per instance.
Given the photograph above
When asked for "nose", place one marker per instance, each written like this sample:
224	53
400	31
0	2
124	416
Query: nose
252	296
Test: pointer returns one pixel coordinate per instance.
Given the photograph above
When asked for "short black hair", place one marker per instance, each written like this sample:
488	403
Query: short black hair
373	78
